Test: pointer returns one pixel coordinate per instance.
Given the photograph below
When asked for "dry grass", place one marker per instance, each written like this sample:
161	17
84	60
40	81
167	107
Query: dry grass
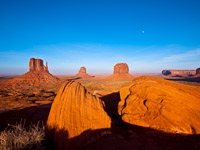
18	137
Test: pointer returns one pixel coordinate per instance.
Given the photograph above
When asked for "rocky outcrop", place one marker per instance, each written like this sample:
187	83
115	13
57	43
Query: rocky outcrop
178	72
38	75
82	74
37	65
161	104
121	71
198	71
76	117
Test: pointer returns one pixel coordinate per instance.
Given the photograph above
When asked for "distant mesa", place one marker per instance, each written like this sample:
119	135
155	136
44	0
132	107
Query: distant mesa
37	65
121	71
82	74
179	72
161	104
198	71
76	117
38	74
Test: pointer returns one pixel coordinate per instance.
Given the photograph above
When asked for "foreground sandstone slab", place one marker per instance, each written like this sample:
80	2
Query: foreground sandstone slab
76	117
161	104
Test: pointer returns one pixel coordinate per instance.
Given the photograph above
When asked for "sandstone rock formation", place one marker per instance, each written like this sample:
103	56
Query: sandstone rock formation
161	104
38	74
198	71
76	117
82	73
178	72
121	71
37	65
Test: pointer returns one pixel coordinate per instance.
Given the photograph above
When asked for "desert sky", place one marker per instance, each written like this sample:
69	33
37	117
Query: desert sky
147	35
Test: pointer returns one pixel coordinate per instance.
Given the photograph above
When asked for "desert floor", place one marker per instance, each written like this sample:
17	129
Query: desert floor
33	103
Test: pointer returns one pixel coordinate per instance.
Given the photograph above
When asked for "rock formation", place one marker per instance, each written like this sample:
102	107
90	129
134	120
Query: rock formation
37	65
178	72
161	104
121	71
76	117
38	74
82	73
198	71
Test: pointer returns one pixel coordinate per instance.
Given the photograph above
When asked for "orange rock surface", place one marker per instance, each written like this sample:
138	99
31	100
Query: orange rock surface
121	72
74	116
161	104
82	74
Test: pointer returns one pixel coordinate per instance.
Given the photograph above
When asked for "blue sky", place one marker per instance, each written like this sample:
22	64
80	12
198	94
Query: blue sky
148	35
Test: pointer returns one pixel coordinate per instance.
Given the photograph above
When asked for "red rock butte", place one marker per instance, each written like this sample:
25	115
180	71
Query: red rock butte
37	65
198	71
121	72
82	74
179	72
38	74
161	104
76	117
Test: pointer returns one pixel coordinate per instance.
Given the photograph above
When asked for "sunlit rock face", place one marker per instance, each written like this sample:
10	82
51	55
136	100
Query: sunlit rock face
161	104
76	117
121	71
37	65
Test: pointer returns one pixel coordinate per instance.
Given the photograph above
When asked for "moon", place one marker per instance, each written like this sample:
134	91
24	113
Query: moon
142	31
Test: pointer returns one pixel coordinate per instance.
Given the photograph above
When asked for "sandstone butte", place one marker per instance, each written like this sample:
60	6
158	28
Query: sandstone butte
179	72
82	74
198	71
161	104
38	74
76	117
121	72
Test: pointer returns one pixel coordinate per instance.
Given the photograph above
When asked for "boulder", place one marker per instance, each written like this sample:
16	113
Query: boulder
76	117
161	104
121	71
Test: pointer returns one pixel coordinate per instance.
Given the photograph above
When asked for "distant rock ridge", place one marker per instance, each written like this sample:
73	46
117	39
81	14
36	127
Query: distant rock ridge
82	74
179	72
76	117
121	71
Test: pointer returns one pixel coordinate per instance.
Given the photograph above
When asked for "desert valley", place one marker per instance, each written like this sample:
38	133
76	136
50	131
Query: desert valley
119	111
99	75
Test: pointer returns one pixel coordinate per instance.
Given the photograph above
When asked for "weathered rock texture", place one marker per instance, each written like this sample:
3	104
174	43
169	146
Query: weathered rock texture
38	74
37	65
121	71
179	72
76	117
82	73
161	104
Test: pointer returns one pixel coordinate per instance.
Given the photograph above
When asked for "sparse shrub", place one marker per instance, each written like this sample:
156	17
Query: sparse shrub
17	137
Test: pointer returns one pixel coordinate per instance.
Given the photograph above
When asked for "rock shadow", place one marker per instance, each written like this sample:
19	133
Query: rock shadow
29	115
